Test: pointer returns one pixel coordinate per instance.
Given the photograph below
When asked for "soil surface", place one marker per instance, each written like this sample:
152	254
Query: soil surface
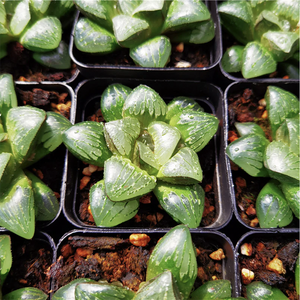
263	252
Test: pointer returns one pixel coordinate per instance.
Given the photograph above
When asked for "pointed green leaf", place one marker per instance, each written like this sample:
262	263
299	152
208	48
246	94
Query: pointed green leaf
23	125
40	5
196	128
248	128
103	291
159	287
289	10
2	14
112	101
184	203
7	169
281	160
291	192
165	138
20	18
144	104
124	180
237	18
28	293
257	61
128	6
232	59
45	201
282	45
185	14
90	37
5	257
214	289
248	153
108	213
272	208
86	141
121	134
154	53
175	252
183	168
148	6
146	155
68	290
43	35
17	207
58	58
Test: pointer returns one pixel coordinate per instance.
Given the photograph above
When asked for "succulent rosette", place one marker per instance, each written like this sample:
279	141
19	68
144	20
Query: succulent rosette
278	159
147	28
268	37
145	145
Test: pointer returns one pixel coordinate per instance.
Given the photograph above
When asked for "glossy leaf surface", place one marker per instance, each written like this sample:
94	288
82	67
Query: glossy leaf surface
40	5
27	293
86	141
146	155
185	203
108	213
5	256
248	128
291	192
2	14
272	208
175	252
124	180
289	10
7	169
259	291
232	59
60	8
20	18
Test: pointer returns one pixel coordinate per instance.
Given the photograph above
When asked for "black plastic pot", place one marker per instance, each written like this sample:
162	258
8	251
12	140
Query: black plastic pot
213	238
87	64
88	95
259	89
283	236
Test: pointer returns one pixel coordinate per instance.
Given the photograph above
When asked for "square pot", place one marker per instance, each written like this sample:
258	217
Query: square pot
88	96
259	90
89	66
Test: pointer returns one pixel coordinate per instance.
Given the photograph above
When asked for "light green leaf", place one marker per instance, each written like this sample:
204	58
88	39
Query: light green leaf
291	192
27	293
2	14
21	18
5	257
7	169
108	213
146	155
232	59
289	10
40	5
248	128
128	6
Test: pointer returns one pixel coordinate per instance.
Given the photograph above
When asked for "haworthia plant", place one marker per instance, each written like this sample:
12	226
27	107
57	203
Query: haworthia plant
268	34
144	143
260	291
28	134
147	28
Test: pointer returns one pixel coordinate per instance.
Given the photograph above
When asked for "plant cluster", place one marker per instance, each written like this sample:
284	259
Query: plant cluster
145	145
278	159
147	28
268	32
27	134
36	25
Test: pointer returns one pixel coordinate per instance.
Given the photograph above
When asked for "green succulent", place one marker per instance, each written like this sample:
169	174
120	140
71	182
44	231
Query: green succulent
279	159
268	33
36	25
147	28
145	145
258	290
27	134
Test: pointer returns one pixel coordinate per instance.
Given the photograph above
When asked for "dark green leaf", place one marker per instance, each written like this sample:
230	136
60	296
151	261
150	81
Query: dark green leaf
90	37
58	58
124	180
196	128
259	291
112	101
154	53
183	168
257	61
272	208
297	276
159	287
248	128
184	203
5	257
21	18
248	153
108	213
7	169
43	35
59	8
237	18
27	293
232	59
289	69
45	201
175	252
86	141
2	14
213	289
3	48
291	192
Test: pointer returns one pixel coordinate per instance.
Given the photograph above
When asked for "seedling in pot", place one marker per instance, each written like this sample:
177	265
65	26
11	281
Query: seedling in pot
27	134
147	28
268	33
145	145
278	159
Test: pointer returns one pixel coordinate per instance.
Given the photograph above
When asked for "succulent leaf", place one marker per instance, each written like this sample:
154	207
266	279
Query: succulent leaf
257	290
40	5
86	141
27	293
148	6
175	252
291	192
248	128
5	257
184	203
232	59
127	7
272	208
7	169
2	14
289	10
21	18
108	213
60	8
146	155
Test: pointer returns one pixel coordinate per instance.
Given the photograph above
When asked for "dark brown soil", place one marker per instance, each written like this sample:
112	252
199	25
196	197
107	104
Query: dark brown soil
265	250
